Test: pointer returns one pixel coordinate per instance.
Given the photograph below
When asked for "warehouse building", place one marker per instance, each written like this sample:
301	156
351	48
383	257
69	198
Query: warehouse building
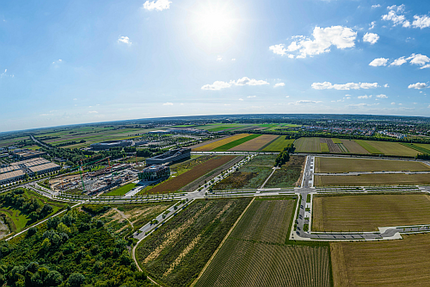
27	154
170	156
111	144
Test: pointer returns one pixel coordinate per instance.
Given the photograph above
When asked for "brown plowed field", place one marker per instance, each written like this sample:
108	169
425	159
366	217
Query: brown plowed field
191	175
255	144
354	147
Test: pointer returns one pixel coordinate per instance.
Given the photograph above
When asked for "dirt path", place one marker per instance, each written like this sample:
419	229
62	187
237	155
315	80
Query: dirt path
123	216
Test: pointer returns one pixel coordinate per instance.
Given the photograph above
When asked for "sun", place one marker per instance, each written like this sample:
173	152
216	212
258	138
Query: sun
214	22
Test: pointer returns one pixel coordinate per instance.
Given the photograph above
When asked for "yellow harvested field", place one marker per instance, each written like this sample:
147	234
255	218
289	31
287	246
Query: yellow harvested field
221	142
341	165
255	144
384	263
372	179
393	148
368	212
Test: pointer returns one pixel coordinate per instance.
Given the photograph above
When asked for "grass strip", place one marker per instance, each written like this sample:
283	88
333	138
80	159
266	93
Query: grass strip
235	143
368	147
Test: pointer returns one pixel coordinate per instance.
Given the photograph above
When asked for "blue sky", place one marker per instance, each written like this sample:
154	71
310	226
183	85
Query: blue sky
68	62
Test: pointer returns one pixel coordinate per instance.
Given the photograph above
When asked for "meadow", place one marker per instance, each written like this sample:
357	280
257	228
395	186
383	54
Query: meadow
387	148
385	263
308	145
289	174
256	252
120	191
340	165
368	212
279	144
372	179
176	253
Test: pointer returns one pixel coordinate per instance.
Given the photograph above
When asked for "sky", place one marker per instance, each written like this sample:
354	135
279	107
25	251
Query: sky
71	62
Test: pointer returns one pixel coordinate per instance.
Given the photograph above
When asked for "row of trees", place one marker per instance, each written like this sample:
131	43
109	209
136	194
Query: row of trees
284	155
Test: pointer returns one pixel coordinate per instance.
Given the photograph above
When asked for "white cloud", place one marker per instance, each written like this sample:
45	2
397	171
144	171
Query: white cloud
394	15
386	86
278	49
376	6
323	39
382	96
393	103
59	61
219	58
233	60
279	85
347	86
5	74
418	86
371	38
398	62
240	99
425	66
362	105
158	5
301	102
93	112
421	21
168	104
364	97
418	59
287	97
379	62
125	40
218	85
75	99
251	97
372	25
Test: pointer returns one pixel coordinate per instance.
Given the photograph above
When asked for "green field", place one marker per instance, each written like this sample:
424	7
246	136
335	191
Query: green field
324	147
120	191
176	252
368	212
257	252
308	145
420	148
372	179
341	165
232	144
367	146
289	174
279	144
387	148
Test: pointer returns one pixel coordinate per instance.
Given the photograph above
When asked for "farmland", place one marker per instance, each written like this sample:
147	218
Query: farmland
177	251
340	165
387	148
372	179
367	146
255	144
308	145
420	148
289	174
279	144
180	181
235	143
251	175
353	147
384	263
218	143
368	212
256	252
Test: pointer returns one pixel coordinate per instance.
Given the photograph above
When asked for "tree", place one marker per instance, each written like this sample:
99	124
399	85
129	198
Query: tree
76	280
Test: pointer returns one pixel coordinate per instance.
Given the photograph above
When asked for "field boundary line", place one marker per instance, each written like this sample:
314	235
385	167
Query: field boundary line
221	244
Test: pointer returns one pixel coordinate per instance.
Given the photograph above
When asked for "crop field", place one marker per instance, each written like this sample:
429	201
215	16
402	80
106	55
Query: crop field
426	146
384	263
236	143
251	175
341	165
177	252
218	143
393	148
367	146
182	180
255	144
279	144
372	179
256	252
328	146
289	174
419	148
368	212
121	219
324	147
307	145
354	147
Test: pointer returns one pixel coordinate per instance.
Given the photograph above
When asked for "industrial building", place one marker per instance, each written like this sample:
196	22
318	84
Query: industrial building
170	156
154	173
111	144
27	154
17	170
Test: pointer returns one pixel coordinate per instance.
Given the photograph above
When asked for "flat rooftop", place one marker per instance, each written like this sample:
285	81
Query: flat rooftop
43	167
11	175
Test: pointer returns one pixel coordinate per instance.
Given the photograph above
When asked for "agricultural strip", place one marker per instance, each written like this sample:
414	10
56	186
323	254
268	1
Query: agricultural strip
289	174
256	254
279	144
251	175
324	148
393	148
327	145
218	143
177	251
235	143
384	263
255	144
307	145
368	212
367	146
199	170
418	148
354	147
372	179
341	165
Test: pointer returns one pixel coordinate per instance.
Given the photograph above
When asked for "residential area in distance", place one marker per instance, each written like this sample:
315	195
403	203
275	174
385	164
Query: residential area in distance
205	201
